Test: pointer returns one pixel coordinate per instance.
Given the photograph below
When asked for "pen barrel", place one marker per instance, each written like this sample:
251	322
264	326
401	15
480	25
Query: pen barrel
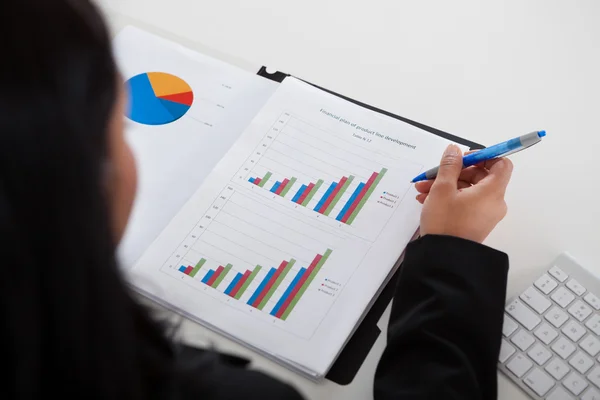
490	153
501	149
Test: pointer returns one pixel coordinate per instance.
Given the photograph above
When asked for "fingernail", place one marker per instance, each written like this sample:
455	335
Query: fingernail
452	150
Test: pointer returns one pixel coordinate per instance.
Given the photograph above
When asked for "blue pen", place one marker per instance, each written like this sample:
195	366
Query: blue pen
500	150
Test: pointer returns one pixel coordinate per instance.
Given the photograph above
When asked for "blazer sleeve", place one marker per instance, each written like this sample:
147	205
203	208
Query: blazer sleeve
445	327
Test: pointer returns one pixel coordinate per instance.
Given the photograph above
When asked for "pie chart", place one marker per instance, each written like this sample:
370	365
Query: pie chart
158	98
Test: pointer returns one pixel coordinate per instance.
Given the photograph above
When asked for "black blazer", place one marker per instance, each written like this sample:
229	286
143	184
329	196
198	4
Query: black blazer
443	336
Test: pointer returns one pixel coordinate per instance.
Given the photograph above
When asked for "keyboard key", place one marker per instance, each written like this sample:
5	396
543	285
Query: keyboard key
545	333
562	297
594	324
579	310
523	315
535	300
594	376
506	350
522	339
539	382
576	287
509	326
591	394
573	330
591	345
558	274
546	284
592	301
563	347
559	394
557	369
581	362
539	354
575	383
519	365
557	317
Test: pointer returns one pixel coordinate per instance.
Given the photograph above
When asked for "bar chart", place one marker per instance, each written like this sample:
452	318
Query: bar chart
268	286
342	181
332	195
261	258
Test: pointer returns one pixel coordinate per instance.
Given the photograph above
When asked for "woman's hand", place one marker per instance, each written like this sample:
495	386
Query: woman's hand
465	203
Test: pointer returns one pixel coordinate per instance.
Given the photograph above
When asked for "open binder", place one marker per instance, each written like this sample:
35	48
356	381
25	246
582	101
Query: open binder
187	112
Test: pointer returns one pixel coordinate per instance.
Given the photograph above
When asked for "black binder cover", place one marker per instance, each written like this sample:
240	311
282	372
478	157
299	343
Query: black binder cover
358	347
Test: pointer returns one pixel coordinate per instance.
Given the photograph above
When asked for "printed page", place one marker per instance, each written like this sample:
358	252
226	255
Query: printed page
185	111
288	240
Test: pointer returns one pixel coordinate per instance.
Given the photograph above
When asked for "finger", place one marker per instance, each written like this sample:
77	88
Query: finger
485	164
500	174
464	184
490	163
423	186
473	174
422	197
449	169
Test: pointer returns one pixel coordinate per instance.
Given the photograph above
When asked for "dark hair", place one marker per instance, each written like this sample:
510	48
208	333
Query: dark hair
68	323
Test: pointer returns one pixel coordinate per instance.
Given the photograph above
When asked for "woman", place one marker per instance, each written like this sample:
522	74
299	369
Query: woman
71	328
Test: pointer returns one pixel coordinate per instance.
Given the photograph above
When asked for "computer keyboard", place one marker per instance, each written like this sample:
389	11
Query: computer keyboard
551	335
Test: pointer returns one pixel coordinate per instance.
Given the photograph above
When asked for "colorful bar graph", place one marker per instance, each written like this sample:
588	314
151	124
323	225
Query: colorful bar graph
221	276
295	297
305	193
269	284
261	181
299	193
285	191
276	284
332	196
282	186
233	284
261	287
197	267
215	275
275	187
361	201
287	299
277	309
312	193
339	195
247	283
350	201
239	283
325	197
360	196
265	179
208	276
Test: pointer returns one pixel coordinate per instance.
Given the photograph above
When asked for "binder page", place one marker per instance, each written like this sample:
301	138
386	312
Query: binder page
290	237
185	111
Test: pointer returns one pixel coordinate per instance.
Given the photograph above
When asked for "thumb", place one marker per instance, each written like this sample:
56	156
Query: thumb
450	167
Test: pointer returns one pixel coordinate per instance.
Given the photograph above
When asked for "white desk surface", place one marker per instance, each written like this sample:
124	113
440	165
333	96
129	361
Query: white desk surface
484	70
